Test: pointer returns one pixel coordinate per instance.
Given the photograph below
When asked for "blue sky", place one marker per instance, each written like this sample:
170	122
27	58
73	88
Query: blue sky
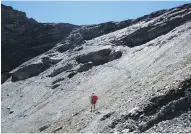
89	12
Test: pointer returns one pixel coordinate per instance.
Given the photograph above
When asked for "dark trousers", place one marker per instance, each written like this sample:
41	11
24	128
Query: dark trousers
92	106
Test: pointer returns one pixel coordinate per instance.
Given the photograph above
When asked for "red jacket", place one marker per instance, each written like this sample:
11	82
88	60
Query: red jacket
94	98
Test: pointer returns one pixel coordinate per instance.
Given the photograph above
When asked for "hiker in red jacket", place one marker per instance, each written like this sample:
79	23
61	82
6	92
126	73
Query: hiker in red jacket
93	100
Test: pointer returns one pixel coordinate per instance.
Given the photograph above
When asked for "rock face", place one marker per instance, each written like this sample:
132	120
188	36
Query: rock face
100	57
160	27
140	69
24	38
33	69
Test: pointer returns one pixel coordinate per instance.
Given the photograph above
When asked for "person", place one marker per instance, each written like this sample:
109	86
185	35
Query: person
93	100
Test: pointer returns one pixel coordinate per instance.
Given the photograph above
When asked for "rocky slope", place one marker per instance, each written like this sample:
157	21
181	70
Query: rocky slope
24	38
141	72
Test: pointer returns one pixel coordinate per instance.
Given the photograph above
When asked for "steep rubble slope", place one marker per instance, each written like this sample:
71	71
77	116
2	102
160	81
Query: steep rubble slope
143	82
24	38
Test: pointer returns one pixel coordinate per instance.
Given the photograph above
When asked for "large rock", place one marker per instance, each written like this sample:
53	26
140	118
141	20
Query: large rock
28	71
99	57
34	69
